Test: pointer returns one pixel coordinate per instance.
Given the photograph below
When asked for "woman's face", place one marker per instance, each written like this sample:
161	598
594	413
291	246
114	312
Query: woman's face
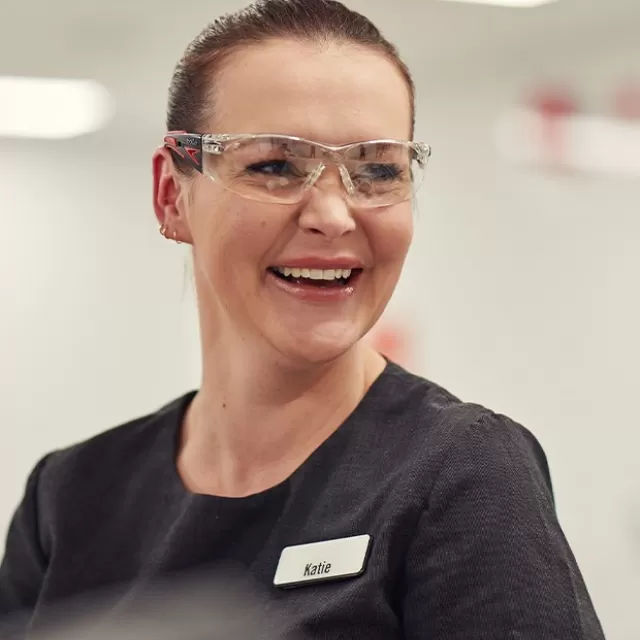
334	94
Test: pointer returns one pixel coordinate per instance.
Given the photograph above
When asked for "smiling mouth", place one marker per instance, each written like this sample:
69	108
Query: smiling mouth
316	277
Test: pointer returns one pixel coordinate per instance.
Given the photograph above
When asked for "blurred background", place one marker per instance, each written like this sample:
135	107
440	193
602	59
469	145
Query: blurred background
521	291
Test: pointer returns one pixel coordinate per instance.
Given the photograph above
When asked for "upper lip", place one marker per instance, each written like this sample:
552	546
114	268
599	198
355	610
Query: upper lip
310	262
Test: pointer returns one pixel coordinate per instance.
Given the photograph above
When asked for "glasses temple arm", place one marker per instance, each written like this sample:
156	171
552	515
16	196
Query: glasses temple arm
187	147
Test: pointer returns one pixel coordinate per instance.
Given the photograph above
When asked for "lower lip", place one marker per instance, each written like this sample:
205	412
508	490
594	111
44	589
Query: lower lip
311	293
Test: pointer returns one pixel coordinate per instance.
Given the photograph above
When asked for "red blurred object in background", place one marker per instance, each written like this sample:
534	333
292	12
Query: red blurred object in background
392	341
627	101
554	106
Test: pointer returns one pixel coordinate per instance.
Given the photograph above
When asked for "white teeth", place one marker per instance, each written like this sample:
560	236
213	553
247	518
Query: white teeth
314	274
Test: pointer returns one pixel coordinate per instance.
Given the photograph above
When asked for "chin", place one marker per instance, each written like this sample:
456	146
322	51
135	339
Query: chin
315	346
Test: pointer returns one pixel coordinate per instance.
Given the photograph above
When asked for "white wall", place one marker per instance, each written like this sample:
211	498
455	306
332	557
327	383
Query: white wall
522	286
94	328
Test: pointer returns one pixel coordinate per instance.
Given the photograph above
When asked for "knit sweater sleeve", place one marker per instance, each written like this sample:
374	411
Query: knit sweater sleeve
489	560
24	563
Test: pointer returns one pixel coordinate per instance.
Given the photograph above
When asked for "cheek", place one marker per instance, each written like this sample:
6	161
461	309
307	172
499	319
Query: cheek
232	235
391	233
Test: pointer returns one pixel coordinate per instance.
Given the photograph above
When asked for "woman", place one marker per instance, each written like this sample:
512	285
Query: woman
364	501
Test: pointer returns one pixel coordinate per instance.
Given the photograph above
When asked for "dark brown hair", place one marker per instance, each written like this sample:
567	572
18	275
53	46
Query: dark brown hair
322	21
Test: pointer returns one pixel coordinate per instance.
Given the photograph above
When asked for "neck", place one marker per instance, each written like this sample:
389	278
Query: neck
256	418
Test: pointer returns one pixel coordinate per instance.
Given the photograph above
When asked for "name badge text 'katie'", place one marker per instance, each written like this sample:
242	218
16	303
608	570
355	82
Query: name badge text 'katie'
319	561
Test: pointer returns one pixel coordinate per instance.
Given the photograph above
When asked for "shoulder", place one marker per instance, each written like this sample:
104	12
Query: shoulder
444	437
113	454
485	553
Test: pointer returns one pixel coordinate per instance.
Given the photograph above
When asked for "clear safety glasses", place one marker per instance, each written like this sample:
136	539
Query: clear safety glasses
281	169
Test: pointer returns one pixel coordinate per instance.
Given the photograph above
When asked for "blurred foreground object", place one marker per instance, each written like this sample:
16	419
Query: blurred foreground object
193	607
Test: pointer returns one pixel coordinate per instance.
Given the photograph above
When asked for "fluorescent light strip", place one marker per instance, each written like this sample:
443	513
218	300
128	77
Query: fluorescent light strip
52	108
522	4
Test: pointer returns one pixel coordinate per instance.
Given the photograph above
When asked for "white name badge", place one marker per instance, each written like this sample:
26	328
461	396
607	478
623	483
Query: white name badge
320	561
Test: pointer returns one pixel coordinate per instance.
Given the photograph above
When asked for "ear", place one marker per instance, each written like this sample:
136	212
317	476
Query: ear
170	197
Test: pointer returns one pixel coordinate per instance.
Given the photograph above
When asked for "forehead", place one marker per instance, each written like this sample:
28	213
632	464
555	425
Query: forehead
332	93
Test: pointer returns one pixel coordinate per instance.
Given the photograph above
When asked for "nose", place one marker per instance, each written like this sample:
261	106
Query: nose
326	211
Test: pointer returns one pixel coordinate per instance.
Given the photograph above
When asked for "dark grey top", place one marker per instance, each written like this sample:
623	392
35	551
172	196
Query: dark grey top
465	544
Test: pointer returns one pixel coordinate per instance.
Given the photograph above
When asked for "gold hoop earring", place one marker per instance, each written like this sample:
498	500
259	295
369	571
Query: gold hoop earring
163	230
175	237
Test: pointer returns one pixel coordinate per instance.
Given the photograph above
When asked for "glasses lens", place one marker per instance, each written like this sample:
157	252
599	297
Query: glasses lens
279	169
384	173
265	168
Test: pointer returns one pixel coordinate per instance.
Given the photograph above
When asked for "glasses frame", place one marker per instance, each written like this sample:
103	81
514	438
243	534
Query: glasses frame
190	148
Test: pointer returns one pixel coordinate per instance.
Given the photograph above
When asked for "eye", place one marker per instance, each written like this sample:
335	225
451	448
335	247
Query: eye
379	172
273	168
